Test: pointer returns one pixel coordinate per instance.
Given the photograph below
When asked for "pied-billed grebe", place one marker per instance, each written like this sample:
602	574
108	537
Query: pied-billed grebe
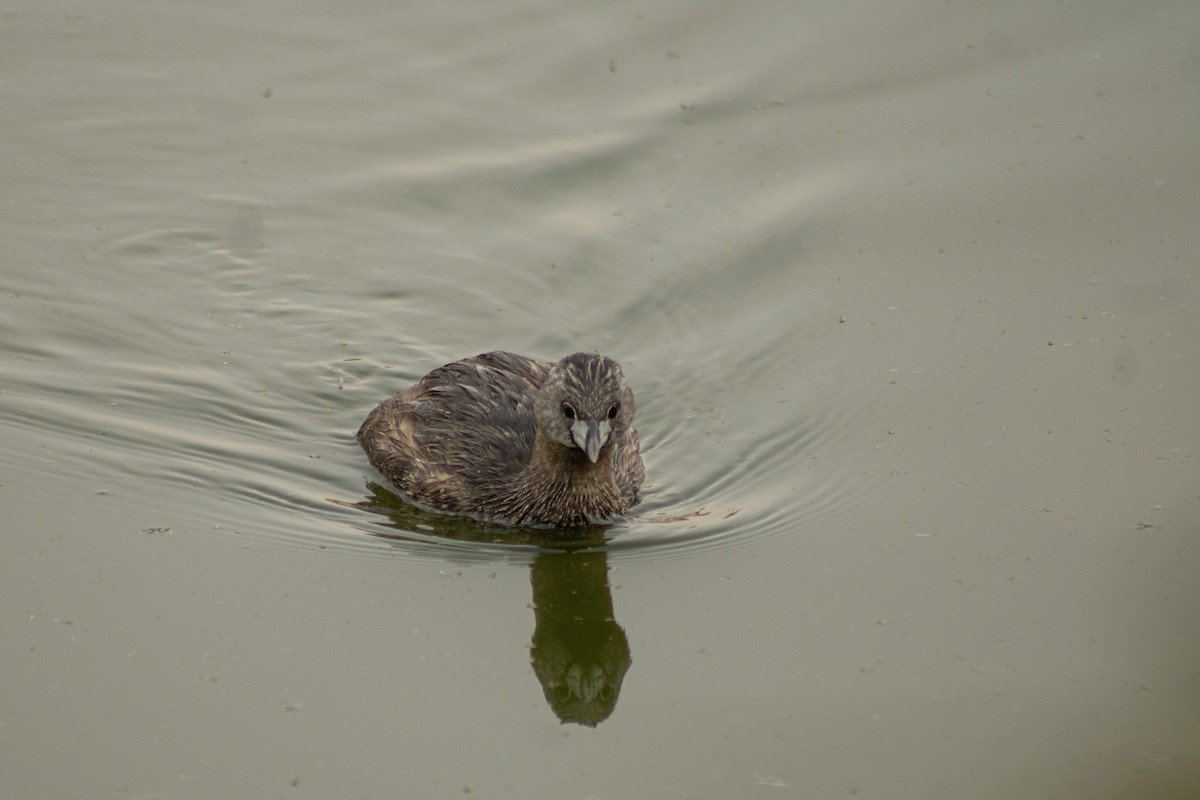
513	440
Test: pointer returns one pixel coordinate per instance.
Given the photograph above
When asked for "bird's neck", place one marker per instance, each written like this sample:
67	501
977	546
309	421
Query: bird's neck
567	485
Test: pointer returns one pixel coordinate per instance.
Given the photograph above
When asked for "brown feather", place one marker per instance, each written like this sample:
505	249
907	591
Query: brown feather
490	436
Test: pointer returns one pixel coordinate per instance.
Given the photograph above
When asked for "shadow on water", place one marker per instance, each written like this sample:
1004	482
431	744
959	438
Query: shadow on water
579	652
645	532
404	522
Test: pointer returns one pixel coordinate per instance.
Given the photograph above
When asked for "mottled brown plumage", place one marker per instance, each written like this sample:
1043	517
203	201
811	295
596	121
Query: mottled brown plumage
513	440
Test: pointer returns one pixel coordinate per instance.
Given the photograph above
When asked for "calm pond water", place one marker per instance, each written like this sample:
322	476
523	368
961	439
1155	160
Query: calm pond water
907	295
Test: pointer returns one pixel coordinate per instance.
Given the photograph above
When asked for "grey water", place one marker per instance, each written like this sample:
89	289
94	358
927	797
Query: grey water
907	294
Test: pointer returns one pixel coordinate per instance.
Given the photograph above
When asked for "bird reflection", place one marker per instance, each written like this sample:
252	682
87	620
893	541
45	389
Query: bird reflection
579	652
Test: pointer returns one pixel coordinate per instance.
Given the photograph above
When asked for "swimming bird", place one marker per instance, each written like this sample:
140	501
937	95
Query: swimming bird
513	440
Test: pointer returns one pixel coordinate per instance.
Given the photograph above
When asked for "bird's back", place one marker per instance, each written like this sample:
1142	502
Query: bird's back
461	433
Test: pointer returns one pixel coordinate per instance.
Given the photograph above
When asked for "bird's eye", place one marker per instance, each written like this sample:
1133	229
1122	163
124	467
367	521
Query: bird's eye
612	411
568	412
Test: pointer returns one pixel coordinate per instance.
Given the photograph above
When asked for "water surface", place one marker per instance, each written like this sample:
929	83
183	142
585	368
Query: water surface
908	297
